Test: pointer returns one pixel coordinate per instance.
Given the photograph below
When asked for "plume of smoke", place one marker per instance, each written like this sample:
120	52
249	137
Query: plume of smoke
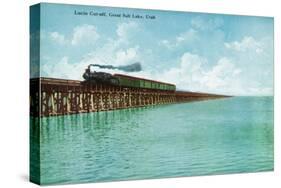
135	67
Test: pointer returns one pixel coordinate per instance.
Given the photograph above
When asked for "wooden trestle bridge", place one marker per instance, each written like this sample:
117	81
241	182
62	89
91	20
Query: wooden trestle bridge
52	97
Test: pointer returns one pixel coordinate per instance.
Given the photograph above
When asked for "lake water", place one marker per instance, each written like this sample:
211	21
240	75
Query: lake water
231	135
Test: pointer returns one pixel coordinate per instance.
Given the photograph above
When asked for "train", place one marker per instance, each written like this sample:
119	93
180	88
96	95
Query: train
125	80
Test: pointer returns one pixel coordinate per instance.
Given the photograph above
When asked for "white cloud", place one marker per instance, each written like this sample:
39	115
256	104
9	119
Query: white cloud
57	37
255	58
221	75
165	43
113	56
105	56
84	34
246	44
124	30
65	70
114	51
185	37
206	24
126	56
74	71
189	73
194	74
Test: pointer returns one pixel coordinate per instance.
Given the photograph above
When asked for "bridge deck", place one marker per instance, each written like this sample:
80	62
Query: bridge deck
51	96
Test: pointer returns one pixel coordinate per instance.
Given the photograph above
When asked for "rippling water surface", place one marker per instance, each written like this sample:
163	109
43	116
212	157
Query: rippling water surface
229	135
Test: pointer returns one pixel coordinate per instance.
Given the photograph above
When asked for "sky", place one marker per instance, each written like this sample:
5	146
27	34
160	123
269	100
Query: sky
215	53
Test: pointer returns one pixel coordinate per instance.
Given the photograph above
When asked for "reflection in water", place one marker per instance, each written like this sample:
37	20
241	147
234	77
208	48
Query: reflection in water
34	153
209	137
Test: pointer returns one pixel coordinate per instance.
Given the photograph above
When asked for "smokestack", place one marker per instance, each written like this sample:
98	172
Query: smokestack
135	67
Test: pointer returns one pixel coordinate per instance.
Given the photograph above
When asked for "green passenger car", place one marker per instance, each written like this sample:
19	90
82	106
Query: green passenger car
130	81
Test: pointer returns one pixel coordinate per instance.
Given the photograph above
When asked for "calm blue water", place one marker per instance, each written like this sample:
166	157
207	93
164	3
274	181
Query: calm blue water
230	135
